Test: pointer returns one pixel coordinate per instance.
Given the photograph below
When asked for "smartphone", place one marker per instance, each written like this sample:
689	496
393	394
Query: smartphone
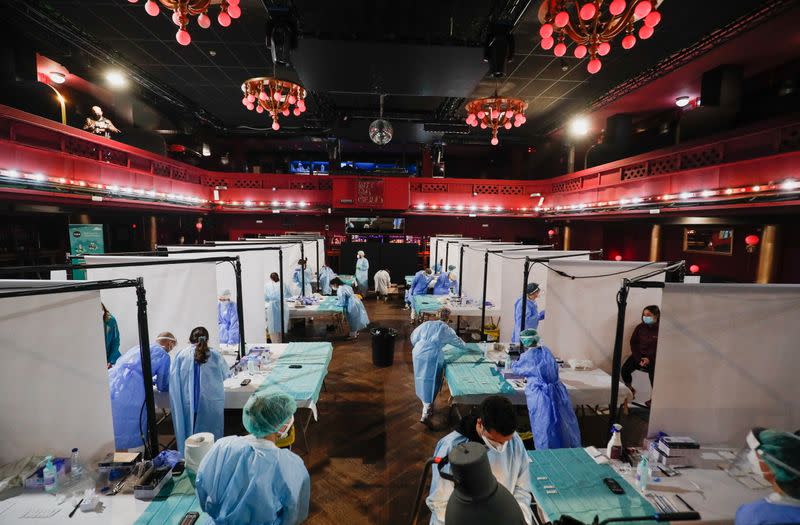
295	366
190	518
613	486
245	382
178	469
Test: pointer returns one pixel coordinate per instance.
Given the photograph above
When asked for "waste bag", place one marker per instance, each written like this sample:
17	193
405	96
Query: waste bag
383	345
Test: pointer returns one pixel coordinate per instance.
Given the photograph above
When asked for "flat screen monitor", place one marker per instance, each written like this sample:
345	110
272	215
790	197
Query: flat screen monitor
375	225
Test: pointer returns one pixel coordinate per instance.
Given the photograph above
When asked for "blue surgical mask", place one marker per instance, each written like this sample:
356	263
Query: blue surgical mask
648	319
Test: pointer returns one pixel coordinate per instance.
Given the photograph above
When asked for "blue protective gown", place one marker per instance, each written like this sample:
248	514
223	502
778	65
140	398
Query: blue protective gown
765	512
362	275
297	279
429	340
532	317
553	419
353	308
112	340
272	298
228	321
325	276
211	406
511	468
443	284
127	393
250	480
419	286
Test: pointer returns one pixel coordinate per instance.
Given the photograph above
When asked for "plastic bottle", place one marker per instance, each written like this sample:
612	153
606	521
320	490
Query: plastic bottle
75	463
251	364
643	473
614	448
508	362
652	452
50	476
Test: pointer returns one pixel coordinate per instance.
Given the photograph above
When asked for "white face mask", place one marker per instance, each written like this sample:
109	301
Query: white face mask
288	427
755	463
492	444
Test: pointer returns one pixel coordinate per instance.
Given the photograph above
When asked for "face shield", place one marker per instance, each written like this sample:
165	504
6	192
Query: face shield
754	458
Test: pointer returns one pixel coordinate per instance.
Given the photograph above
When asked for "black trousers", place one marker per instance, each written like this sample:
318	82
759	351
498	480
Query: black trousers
632	364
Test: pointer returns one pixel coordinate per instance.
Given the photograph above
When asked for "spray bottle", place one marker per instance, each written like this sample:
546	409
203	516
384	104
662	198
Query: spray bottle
614	448
49	475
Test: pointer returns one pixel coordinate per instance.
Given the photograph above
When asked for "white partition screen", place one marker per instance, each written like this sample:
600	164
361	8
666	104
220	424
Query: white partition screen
54	376
728	361
581	317
179	297
472	272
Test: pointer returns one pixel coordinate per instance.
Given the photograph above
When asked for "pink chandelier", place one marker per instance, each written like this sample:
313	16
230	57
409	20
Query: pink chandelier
275	96
183	9
496	112
592	26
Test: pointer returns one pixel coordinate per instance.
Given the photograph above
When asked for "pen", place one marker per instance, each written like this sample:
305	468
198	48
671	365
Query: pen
685	503
76	508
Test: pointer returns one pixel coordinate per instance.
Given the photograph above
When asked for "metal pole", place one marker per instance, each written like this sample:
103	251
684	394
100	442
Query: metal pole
436	254
237	270
616	363
302	271
525	274
483	303
317	243
283	325
461	269
147	370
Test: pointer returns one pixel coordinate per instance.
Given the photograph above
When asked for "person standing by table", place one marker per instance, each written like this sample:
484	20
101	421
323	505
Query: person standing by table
126	383
301	274
112	337
419	286
532	314
644	341
325	276
248	479
197	396
495	427
429	340
775	457
272	298
382	282
353	307
553	420
444	283
362	273
227	319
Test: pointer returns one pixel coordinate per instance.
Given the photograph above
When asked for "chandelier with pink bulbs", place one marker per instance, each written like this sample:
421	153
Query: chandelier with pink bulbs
276	97
496	112
183	9
593	24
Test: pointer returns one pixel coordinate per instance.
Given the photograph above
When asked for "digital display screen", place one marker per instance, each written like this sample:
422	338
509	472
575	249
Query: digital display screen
375	225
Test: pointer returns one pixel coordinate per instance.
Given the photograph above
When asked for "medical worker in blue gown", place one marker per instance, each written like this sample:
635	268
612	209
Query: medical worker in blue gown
126	383
445	282
419	286
197	393
248	479
302	274
429	340
553	420
774	456
532	313
112	337
353	307
325	276
272	299
362	273
227	319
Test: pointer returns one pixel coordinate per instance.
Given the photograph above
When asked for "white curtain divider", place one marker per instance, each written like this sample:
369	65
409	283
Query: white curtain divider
728	361
472	272
582	313
54	375
179	296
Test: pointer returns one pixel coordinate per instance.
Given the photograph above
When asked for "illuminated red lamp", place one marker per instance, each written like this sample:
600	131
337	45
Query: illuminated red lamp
694	268
618	257
551	232
751	240
199	225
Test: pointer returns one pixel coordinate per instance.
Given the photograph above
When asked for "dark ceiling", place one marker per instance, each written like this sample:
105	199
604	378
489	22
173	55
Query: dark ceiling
425	55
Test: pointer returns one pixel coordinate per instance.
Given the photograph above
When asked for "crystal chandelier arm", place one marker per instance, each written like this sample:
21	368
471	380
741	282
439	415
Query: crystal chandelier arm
618	24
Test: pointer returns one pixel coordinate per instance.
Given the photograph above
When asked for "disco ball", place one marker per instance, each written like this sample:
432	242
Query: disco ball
381	131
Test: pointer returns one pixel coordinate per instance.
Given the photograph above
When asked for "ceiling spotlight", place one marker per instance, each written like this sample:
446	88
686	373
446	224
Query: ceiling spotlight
579	126
302	204
682	101
460	207
685	195
116	78
57	77
275	203
473	208
420	206
499	208
446	207
790	185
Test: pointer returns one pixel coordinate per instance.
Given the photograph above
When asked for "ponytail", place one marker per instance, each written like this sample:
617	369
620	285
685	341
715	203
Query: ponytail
199	338
106	313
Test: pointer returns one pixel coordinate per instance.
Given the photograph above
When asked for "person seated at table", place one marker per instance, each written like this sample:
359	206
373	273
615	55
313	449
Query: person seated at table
553	420
197	396
774	456
112	336
248	479
644	341
353	307
300	276
126	383
325	276
382	282
494	426
227	319
427	357
445	282
362	273
272	298
532	314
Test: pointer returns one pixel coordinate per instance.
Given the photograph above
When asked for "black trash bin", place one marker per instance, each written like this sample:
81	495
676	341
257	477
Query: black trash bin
383	345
